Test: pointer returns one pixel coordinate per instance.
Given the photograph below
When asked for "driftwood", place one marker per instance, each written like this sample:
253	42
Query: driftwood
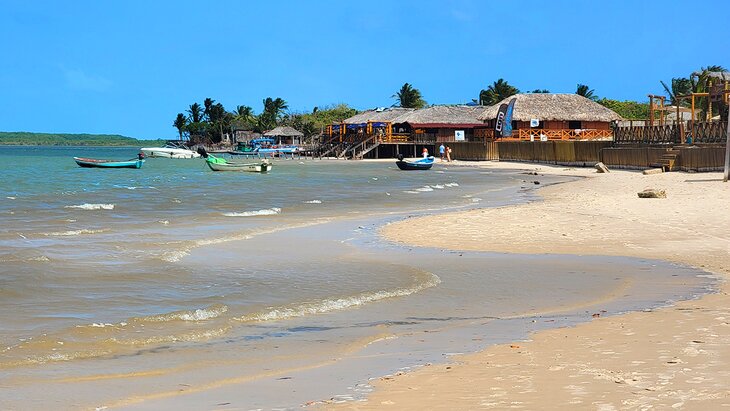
652	193
601	168
652	171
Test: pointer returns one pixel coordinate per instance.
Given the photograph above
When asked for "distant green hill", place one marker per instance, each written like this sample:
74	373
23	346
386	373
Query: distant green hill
52	139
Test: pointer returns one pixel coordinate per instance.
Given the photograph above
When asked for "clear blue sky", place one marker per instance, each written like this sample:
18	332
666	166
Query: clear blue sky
128	67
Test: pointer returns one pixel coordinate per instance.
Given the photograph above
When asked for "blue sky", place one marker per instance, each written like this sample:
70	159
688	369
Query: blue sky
128	67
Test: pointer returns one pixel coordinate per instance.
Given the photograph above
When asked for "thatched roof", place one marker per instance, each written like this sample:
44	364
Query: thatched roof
442	116
283	131
553	107
380	115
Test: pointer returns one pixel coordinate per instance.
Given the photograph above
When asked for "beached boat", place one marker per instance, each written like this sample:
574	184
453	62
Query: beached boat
416	164
266	147
172	149
93	162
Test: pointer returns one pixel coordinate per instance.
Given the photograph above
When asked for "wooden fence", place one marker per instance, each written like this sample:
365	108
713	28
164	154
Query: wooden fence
701	133
578	153
474	150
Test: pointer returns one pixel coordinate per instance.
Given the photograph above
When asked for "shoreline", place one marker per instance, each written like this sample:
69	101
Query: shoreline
675	356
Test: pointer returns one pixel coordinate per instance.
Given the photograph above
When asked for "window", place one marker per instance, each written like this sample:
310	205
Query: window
573	125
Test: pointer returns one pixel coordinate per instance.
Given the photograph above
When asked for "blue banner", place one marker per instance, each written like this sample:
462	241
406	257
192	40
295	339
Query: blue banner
507	129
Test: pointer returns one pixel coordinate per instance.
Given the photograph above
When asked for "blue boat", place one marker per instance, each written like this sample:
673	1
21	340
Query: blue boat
92	162
419	164
265	146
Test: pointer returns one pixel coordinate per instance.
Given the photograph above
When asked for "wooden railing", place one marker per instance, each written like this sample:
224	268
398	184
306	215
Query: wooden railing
702	133
563	134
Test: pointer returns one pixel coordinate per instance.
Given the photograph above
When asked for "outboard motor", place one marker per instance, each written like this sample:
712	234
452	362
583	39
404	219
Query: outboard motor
202	152
400	157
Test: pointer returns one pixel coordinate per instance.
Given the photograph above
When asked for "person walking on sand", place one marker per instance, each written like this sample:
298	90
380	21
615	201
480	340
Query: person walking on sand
442	150
448	154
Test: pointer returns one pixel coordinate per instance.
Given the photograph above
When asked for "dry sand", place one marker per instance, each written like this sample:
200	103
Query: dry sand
671	358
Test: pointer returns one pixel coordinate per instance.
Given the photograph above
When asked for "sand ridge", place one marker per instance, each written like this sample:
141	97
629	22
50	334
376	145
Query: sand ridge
676	357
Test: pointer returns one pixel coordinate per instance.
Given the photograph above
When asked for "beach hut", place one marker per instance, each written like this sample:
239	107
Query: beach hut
437	124
285	135
549	116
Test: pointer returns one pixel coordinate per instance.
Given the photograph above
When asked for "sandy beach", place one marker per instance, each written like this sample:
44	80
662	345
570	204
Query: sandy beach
676	357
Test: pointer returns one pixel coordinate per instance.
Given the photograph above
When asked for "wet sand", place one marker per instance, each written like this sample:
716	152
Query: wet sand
676	357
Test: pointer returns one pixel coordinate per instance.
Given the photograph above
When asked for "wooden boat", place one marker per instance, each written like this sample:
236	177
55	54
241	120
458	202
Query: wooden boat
418	164
171	149
221	164
92	162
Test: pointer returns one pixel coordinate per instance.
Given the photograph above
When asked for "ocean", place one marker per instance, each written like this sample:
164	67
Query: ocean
126	288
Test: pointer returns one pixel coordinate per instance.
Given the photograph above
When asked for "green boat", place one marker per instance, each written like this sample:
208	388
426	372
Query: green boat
92	162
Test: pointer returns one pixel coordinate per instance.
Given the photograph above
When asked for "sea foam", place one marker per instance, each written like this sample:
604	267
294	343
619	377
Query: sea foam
267	211
88	206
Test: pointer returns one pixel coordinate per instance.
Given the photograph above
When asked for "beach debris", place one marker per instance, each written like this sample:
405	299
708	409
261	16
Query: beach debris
536	182
596	315
652	171
601	168
514	346
652	193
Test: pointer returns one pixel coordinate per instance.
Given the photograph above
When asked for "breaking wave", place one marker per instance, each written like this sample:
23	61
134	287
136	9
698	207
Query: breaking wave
200	314
71	233
268	211
88	206
337	304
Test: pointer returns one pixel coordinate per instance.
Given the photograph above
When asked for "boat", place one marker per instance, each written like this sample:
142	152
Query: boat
265	146
222	164
171	149
417	164
93	162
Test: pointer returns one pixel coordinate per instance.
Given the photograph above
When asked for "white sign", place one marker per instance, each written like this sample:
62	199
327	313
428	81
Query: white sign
543	137
459	135
534	122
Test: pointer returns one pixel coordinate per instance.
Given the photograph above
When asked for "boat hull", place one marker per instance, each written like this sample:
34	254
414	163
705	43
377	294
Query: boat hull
96	163
162	152
258	167
421	164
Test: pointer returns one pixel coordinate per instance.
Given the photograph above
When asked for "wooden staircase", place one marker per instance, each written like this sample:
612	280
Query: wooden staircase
358	151
669	161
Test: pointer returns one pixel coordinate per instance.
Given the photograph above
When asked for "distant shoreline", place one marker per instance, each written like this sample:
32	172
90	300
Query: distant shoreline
22	138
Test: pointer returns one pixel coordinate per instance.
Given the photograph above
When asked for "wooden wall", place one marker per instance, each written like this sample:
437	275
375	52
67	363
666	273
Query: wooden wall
710	158
580	153
694	158
474	150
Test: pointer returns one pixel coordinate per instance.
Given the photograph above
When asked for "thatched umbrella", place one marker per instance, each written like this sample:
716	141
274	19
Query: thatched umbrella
284	131
552	107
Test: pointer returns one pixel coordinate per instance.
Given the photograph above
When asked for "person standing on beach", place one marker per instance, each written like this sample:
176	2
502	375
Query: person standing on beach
448	154
425	152
442	149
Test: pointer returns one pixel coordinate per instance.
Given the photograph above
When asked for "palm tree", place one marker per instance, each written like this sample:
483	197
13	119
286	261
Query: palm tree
409	97
540	91
180	122
701	84
680	87
585	91
196	113
273	109
498	91
208	104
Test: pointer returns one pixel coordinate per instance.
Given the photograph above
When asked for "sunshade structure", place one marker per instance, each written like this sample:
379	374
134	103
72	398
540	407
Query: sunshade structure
285	135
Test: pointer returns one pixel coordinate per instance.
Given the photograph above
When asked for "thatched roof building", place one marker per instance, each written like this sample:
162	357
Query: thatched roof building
377	115
283	131
442	117
553	107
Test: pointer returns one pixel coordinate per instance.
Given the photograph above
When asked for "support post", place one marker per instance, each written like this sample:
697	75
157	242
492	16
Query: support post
727	150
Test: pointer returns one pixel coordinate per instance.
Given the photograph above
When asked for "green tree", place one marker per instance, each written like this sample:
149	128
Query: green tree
540	91
195	112
244	118
180	123
498	91
273	111
680	87
585	91
207	104
630	110
409	97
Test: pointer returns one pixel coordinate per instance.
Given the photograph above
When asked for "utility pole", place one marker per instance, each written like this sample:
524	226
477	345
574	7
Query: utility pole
727	149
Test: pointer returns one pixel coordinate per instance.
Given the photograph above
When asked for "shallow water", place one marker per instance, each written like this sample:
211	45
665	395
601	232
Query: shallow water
120	284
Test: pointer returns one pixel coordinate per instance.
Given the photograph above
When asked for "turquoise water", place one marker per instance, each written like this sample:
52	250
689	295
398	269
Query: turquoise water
176	272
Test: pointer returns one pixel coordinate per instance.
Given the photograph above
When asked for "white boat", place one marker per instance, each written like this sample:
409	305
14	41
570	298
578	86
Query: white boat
173	149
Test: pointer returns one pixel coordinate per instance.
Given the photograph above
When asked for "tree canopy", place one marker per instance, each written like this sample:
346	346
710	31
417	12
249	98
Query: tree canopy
498	91
409	97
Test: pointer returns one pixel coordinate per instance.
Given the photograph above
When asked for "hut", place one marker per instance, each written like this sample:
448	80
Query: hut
371	122
285	135
554	117
440	123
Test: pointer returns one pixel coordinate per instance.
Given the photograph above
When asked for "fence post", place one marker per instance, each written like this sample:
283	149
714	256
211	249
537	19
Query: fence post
727	150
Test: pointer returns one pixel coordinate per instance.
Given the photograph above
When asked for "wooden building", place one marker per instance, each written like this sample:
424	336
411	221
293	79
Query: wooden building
437	124
549	116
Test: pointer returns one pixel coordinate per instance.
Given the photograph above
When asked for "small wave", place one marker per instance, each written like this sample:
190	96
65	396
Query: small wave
174	256
88	206
451	184
438	187
41	258
476	200
268	211
424	189
127	187
164	222
337	304
11	197
71	233
313	202
201	314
